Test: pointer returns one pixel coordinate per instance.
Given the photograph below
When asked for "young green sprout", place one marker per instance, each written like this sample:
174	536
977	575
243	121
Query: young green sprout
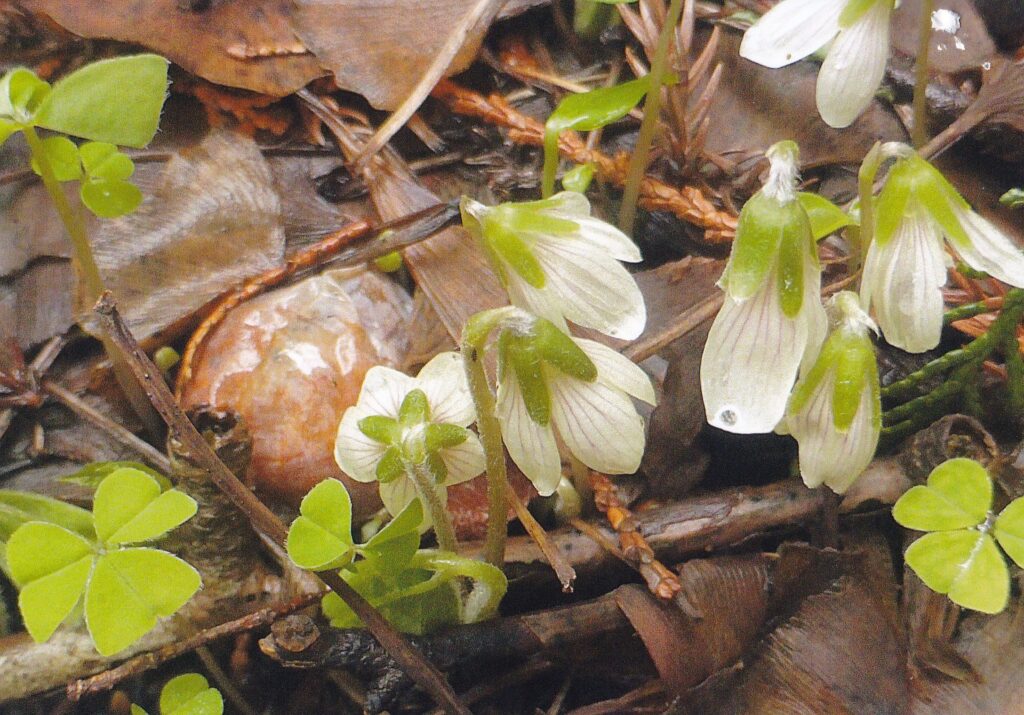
124	587
905	267
772	319
417	590
409	434
958	556
855	61
560	263
835	412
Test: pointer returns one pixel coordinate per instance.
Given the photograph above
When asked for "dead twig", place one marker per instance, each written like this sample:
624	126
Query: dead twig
687	202
260	516
562	568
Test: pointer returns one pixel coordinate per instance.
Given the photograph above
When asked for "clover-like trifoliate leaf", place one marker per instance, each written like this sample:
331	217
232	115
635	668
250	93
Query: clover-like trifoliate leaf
321	537
102	160
62	155
51	566
964	564
190	694
826	218
116	100
129	590
1009	530
108	198
391	549
958	495
129	508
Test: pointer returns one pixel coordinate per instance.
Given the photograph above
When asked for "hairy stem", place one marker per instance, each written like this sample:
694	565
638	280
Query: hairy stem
427	488
490	437
924	38
652	117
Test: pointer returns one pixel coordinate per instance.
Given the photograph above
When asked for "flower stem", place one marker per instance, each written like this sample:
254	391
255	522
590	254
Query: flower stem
71	219
924	40
490	438
866	193
652	117
427	487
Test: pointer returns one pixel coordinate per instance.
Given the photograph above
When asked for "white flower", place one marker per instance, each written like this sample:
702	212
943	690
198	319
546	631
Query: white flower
391	424
854	64
835	412
905	267
550	382
772	320
560	263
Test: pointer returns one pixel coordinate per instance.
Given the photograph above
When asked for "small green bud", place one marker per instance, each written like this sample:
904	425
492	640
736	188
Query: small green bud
389	263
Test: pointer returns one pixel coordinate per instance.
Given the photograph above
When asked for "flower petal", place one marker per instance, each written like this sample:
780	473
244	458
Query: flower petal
383	391
828	456
791	30
854	66
443	381
751	359
598	424
397	495
531	446
464	461
355	453
990	250
903	283
617	370
817	318
540	301
593	289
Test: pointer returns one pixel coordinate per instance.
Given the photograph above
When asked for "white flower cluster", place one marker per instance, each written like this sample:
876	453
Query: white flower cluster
772	324
559	265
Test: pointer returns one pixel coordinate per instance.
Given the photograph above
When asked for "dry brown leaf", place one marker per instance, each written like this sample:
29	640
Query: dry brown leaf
212	219
239	43
379	48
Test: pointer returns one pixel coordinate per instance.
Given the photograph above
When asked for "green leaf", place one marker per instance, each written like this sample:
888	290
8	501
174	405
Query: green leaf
391	465
321	537
110	199
958	495
62	155
1009	530
443	436
116	100
1014	198
190	694
391	549
51	566
578	178
597	108
92	474
763	224
21	92
7	128
129	590
136	710
854	361
560	351
415	409
380	429
129	508
964	564
826	218
17	508
514	251
102	160
522	357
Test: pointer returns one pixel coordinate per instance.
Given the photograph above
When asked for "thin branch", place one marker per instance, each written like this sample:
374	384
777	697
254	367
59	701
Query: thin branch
260	516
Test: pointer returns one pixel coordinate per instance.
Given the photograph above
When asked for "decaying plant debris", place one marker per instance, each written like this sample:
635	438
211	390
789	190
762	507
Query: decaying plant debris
713	580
